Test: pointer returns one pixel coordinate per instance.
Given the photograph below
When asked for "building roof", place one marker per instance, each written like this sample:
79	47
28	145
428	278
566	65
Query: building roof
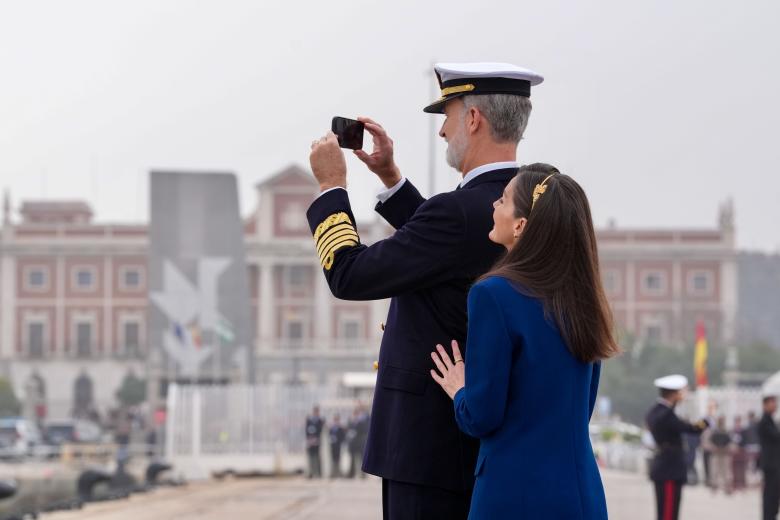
56	211
55	206
292	174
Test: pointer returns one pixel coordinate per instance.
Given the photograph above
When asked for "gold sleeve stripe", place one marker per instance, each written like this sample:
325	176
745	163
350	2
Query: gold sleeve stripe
327	260
332	231
332	220
337	245
346	232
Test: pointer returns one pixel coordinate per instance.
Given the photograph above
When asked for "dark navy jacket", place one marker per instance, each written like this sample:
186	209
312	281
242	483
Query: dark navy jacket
769	437
440	247
667	429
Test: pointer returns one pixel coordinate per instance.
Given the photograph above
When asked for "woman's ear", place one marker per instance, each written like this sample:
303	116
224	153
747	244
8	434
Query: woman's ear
519	226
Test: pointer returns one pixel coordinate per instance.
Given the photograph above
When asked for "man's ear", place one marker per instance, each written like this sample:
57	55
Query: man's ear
474	120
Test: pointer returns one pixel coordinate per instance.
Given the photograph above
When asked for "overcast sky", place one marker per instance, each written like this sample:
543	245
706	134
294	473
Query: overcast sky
660	109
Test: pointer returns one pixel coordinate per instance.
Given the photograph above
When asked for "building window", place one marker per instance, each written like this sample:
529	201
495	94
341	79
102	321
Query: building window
653	334
653	329
132	338
35	335
293	332
83	339
611	281
700	283
84	278
298	276
131	278
350	330
36	278
653	282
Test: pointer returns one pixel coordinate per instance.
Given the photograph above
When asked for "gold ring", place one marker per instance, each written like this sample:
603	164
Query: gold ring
458	361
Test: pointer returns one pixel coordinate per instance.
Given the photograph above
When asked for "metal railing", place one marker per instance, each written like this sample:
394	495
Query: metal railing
244	419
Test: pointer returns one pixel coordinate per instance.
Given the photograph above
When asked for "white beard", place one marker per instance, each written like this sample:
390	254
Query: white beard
456	151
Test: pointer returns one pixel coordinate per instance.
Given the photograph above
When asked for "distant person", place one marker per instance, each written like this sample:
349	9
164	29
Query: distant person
151	442
357	432
706	451
769	438
692	443
539	326
750	440
668	470
336	434
314	427
739	457
720	445
122	434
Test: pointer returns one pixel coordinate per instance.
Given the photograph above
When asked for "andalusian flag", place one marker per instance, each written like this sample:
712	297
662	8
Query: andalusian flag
700	356
225	331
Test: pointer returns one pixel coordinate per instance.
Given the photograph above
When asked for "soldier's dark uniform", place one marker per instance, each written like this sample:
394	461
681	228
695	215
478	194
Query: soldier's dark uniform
769	437
314	426
668	469
439	248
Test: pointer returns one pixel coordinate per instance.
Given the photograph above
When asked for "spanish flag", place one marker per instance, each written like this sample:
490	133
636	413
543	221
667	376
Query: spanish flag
700	356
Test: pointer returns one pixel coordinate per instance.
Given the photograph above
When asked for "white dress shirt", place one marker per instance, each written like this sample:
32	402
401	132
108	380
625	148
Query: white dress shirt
470	176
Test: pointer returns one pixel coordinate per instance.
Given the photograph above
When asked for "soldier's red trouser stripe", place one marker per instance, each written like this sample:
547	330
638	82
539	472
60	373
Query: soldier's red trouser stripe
669	500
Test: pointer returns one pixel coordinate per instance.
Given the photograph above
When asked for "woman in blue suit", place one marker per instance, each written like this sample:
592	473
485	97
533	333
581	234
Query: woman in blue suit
539	325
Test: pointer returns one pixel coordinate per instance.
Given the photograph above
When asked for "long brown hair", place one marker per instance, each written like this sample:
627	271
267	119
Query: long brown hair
556	260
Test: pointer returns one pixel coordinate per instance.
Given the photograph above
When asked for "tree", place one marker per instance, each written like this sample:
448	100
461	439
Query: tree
132	391
628	378
758	357
9	404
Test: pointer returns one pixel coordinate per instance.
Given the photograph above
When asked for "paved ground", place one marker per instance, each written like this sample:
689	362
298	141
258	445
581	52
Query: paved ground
629	497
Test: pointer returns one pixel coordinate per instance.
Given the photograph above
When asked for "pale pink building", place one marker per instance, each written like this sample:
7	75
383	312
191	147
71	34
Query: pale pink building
73	298
660	282
73	294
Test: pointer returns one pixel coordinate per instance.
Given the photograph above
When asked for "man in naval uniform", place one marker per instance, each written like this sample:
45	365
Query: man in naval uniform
668	470
440	246
769	460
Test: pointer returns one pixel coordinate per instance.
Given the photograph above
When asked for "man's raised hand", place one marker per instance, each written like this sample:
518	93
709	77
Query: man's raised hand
327	162
380	161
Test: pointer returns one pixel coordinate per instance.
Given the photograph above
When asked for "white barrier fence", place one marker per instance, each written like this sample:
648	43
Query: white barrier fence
244	428
729	402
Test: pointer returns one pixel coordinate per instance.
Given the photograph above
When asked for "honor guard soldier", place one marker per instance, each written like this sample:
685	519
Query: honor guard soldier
439	247
769	460
314	426
668	469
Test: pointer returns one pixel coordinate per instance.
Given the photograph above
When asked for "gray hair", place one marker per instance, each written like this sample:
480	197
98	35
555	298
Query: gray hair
507	114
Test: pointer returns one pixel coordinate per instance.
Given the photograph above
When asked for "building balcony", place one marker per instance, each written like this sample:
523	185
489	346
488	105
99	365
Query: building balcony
50	354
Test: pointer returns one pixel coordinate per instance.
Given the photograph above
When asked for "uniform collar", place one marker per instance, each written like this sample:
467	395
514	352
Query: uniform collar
489	167
665	403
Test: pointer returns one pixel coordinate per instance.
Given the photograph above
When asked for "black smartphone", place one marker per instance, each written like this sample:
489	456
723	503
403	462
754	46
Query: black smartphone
349	132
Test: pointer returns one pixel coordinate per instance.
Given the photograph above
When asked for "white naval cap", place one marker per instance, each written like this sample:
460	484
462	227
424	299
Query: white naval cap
460	79
673	382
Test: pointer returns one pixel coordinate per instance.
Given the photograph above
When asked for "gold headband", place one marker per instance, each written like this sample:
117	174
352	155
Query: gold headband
539	190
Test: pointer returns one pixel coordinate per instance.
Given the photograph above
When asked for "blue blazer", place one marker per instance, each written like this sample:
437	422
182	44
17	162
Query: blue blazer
529	401
439	248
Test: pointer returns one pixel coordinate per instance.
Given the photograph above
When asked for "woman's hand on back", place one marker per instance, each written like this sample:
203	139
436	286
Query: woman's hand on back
452	372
